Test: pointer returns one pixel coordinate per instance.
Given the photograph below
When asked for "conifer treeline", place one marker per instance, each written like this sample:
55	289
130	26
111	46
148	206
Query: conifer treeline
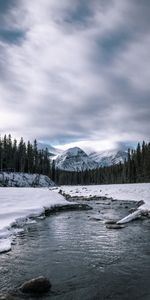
22	157
135	169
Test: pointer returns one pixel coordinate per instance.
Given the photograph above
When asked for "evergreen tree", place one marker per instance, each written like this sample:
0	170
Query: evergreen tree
22	157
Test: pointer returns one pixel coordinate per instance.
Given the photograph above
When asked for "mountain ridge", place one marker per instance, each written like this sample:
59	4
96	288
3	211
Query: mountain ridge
109	157
76	159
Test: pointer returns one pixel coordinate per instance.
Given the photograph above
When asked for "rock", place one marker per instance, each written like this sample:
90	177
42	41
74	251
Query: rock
114	226
110	222
37	285
95	219
139	203
145	213
131	210
3	297
143	217
68	207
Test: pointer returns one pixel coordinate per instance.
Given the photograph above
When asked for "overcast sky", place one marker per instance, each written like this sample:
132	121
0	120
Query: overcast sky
75	70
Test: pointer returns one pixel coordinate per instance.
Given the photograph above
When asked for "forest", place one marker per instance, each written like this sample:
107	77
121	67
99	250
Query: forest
27	158
23	157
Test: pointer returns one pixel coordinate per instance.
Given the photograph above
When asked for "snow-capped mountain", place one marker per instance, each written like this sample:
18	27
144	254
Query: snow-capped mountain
75	159
52	150
110	157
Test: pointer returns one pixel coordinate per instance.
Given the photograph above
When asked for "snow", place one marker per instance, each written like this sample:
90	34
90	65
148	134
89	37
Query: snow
135	192
130	217
110	157
52	150
73	151
24	180
18	205
5	245
76	159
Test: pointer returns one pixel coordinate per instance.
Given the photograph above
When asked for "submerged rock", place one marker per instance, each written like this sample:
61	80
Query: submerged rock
68	207
114	226
37	285
95	219
110	222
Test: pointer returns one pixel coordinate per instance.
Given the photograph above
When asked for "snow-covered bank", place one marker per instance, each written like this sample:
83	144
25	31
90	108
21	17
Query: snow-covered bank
17	205
15	179
135	192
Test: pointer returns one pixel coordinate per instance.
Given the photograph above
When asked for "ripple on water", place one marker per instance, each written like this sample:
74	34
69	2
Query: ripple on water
82	258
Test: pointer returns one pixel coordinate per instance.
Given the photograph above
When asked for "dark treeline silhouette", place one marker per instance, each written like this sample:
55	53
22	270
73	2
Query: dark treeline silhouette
135	169
23	157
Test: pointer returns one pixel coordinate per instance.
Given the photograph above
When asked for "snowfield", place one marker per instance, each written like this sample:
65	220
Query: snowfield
18	205
135	192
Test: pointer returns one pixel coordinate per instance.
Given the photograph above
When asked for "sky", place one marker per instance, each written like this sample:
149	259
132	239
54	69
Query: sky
75	72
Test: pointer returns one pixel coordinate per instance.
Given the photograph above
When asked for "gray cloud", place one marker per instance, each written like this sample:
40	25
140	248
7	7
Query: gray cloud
70	70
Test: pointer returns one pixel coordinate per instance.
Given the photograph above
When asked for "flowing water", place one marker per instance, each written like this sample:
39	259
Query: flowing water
81	257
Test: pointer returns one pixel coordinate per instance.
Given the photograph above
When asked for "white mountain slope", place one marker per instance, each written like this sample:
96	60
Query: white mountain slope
75	159
110	157
52	150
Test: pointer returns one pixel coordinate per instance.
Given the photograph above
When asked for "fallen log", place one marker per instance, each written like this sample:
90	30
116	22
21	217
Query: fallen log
135	215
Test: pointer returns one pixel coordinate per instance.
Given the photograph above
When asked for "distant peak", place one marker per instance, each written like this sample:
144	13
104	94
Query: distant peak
74	150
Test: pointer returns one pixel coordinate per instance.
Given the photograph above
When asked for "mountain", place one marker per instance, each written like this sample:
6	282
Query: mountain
75	159
110	157
52	150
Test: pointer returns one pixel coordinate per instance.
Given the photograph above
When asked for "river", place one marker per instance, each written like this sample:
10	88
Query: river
81	257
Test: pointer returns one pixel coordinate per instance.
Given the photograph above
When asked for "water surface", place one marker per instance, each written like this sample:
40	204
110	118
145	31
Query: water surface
81	257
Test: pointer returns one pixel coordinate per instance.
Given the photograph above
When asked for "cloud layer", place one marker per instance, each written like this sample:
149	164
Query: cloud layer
75	70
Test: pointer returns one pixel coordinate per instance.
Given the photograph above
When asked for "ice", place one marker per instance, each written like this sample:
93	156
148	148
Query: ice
5	245
18	205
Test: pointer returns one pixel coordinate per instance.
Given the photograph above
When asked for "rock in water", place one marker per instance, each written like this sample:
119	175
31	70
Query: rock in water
110	222
37	285
114	226
139	203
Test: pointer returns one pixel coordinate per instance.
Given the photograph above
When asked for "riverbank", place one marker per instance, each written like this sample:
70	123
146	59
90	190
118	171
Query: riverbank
135	192
132	191
24	205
